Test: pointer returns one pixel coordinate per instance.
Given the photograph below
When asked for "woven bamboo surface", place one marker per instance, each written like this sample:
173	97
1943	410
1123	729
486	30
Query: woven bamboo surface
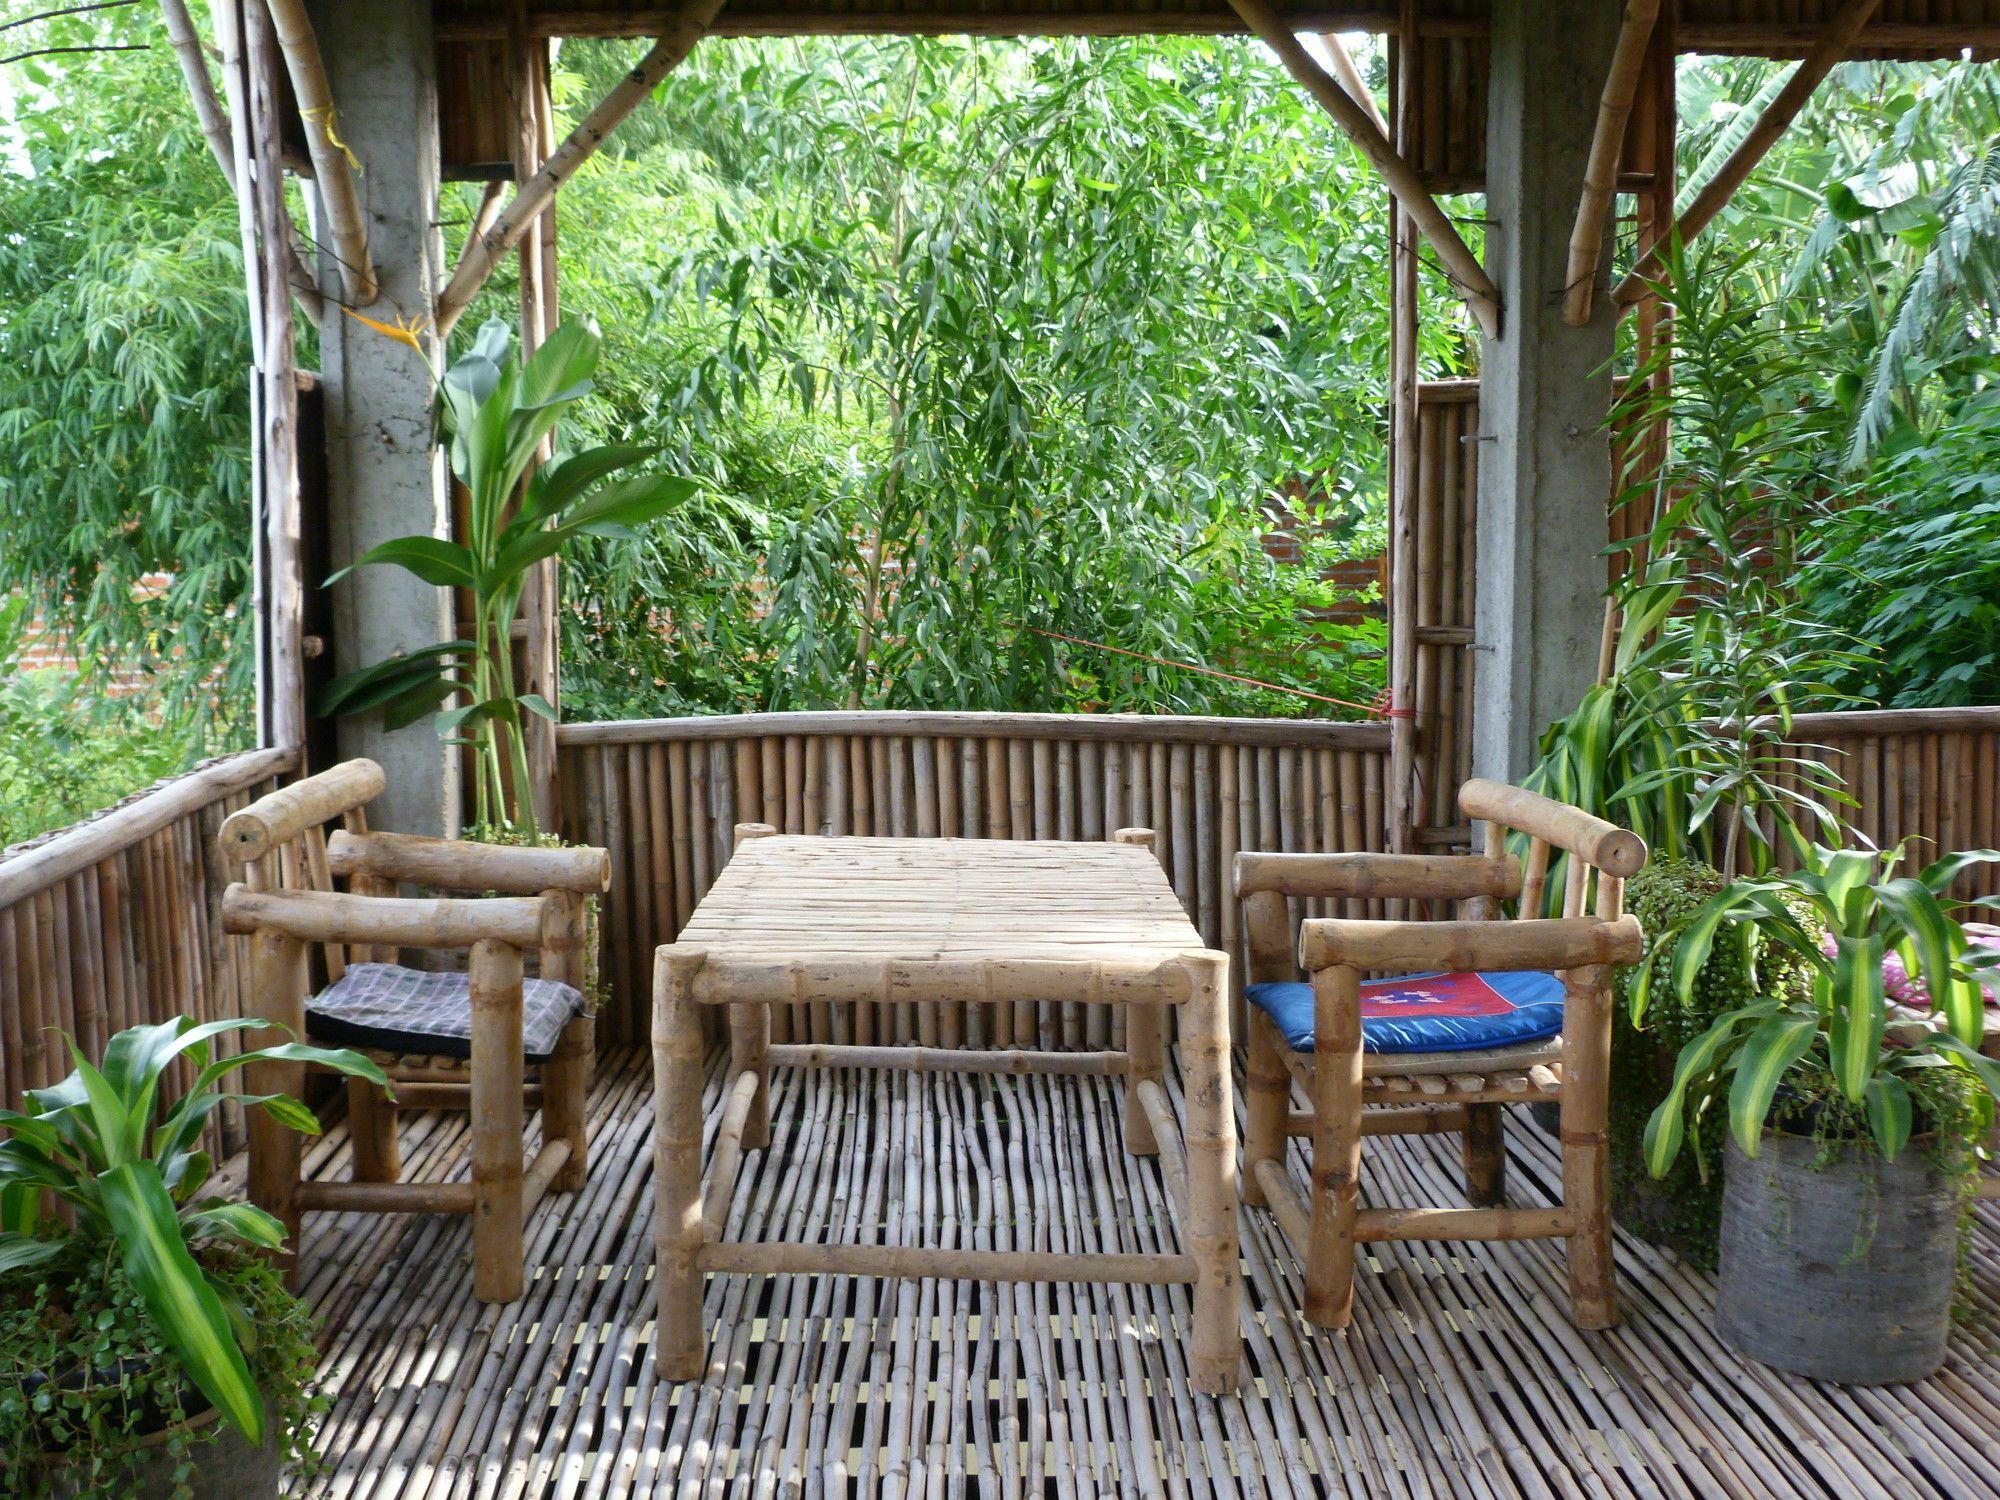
1462	1376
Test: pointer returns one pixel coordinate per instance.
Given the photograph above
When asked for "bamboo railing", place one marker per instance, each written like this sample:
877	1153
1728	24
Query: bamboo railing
664	796
112	923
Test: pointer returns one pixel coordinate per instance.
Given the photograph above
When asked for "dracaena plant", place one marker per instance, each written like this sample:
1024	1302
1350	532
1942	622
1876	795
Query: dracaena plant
127	1164
1841	914
498	414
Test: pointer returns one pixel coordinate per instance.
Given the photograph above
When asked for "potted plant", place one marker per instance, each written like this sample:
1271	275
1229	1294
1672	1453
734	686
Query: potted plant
1853	1128
498	414
148	1348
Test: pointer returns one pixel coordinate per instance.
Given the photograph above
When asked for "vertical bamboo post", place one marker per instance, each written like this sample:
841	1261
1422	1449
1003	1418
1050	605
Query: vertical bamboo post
1483	1149
1586	1151
566	1075
1211	1230
677	1228
371	1130
1267	1088
750	1038
1145	1038
1336	1169
278	986
497	1247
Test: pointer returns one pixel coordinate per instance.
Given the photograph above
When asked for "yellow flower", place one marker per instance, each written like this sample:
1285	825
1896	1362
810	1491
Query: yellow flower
403	331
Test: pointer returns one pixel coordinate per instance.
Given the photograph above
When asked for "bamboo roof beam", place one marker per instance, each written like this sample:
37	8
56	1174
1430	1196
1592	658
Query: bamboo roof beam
334	167
214	122
1349	75
1607	145
1407	187
1834	42
484	251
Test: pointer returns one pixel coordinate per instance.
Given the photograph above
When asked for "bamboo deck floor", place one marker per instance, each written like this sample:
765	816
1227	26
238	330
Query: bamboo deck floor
1462	1375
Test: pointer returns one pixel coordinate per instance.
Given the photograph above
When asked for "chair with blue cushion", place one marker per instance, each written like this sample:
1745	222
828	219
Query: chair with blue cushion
1413	1026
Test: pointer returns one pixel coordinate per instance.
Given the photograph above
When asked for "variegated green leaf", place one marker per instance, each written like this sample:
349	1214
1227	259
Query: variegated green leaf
1889	1112
1768	1053
1856	1012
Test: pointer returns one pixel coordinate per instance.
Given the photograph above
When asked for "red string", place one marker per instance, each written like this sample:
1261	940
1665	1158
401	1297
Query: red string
1377	708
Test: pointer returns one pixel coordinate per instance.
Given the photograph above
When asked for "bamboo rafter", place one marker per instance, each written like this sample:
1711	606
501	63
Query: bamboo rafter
1405	184
214	123
484	251
334	166
1833	44
1607	143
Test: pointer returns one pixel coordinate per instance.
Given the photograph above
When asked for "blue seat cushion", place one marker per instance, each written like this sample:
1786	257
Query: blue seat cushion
1430	1012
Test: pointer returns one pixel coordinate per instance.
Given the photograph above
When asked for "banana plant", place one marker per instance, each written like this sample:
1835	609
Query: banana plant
498	414
130	1168
1842	913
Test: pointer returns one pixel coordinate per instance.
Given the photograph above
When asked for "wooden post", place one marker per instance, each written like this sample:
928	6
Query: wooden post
1145	1037
1828	48
497	1148
566	1075
680	1349
277	993
1607	144
1216	1349
1336	1168
1267	1091
1586	1150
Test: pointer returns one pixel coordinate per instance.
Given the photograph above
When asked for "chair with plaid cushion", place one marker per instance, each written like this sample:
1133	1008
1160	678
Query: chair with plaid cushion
1407	1027
448	1039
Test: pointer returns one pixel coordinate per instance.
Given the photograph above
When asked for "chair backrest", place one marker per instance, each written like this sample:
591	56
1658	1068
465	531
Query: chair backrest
1277	890
280	839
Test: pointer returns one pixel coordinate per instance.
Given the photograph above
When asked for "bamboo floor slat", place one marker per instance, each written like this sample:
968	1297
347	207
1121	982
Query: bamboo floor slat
1462	1376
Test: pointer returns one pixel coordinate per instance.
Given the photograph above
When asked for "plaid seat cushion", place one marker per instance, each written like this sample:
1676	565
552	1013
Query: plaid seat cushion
394	1009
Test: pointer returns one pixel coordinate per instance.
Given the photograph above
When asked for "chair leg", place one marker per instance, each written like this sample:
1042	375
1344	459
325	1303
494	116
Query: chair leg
1336	1171
1484	1147
1267	1095
371	1127
566	1100
277	985
497	1123
1586	1152
1145	1052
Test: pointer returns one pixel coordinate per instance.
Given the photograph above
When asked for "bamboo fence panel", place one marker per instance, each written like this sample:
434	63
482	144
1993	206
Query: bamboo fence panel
112	923
664	796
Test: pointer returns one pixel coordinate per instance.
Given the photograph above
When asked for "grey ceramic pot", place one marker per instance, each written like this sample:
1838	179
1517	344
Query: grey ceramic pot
1843	1273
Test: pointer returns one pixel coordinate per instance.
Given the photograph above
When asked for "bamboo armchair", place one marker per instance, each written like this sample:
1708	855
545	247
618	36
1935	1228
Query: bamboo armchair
456	1041
1357	1093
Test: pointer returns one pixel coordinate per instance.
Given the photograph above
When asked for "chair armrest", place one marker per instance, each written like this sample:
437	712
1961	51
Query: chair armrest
456	865
281	816
1559	943
333	917
1444	877
1605	846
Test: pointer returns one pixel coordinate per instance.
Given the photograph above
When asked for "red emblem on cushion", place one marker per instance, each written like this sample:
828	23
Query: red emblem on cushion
1439	995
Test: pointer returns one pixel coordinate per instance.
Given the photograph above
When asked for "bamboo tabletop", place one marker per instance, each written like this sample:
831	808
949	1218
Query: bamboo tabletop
930	898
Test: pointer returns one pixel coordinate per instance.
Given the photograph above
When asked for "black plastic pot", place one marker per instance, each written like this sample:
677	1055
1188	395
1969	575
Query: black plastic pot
1840	1273
226	1466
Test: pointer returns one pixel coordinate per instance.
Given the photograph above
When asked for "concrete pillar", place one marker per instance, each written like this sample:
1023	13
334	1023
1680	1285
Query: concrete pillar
1545	387
384	477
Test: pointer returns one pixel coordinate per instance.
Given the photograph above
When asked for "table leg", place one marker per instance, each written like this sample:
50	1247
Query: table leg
682	1351
749	1052
1211	1229
1145	1057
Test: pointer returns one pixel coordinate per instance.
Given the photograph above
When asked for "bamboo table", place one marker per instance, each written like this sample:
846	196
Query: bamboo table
795	920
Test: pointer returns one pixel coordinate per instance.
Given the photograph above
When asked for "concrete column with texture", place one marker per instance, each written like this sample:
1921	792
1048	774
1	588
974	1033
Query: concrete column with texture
384	477
1545	387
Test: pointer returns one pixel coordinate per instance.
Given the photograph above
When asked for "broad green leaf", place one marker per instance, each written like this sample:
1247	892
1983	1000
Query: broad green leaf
20	1251
1667	1128
430	558
177	1296
1857	1012
240	1221
1889	1112
1767	1054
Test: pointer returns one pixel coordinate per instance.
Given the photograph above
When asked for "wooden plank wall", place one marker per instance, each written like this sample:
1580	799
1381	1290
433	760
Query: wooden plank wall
664	797
112	923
